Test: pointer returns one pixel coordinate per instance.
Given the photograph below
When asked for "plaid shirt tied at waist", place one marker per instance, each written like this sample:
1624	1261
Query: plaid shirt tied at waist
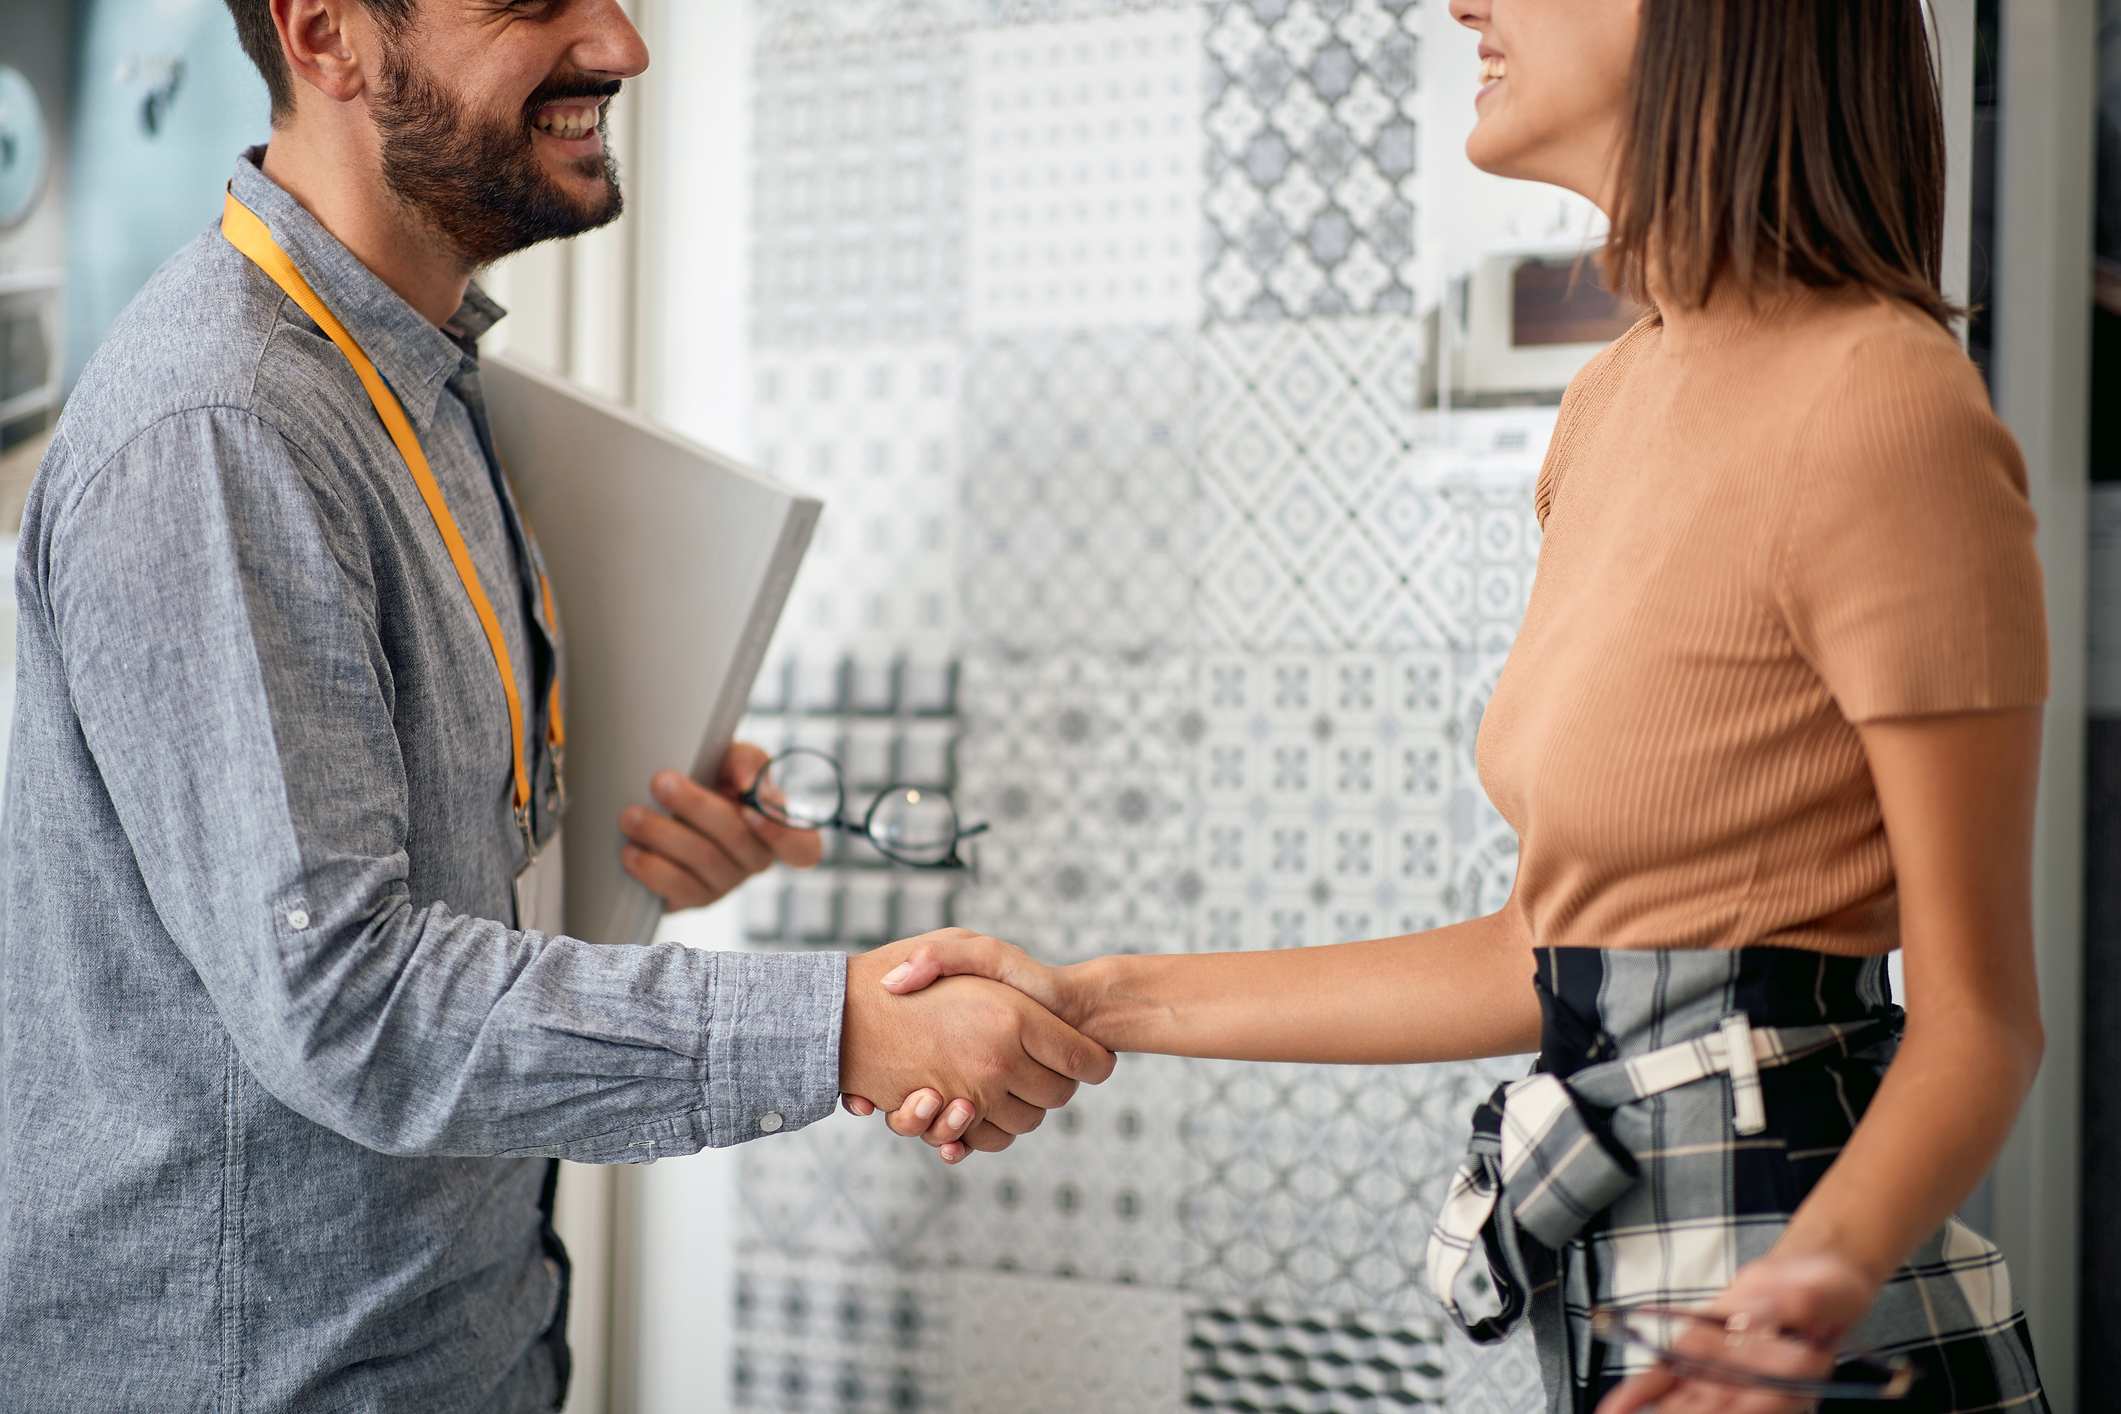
1543	1160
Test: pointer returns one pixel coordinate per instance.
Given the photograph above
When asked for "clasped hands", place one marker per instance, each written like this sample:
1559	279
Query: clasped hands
1004	1043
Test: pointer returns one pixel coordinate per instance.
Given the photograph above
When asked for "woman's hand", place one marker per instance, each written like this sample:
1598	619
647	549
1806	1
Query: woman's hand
957	952
1817	1297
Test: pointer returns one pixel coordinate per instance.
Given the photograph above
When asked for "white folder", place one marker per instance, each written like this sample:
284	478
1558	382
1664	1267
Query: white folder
670	564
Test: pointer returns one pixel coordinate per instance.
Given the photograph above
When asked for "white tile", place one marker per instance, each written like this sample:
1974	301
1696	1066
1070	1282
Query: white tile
1084	172
1031	1345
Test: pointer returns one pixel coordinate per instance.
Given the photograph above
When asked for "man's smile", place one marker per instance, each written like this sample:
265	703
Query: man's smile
570	119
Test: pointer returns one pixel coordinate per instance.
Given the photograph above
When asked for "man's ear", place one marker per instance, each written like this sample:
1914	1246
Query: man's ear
324	43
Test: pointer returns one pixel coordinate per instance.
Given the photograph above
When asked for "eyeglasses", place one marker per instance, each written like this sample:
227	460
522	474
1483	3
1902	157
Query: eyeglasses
912	825
1729	1350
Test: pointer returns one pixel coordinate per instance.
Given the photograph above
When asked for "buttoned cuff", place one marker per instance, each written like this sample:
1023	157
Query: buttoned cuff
773	1042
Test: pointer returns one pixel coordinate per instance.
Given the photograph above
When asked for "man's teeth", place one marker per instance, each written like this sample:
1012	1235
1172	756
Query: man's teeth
1491	69
567	122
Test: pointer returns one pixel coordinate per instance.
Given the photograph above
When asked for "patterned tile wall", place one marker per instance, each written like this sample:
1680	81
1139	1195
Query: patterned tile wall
1083	763
870	430
1081	513
827	1337
1084	173
859	196
1311	122
1254	1356
1096	323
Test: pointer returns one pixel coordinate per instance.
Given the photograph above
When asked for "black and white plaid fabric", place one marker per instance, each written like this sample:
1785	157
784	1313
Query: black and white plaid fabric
1684	1105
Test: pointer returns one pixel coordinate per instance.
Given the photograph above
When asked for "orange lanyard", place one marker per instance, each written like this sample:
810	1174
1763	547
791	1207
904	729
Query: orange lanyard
241	226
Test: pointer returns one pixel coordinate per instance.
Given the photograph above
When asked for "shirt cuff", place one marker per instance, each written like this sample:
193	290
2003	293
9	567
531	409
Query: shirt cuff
773	1042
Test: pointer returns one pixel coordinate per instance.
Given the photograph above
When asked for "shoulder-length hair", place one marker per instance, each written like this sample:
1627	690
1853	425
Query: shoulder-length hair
1777	140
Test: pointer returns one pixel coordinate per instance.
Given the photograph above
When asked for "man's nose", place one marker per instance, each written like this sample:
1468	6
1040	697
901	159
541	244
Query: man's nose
607	43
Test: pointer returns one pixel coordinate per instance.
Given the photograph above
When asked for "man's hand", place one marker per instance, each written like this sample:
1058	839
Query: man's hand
708	844
1006	1058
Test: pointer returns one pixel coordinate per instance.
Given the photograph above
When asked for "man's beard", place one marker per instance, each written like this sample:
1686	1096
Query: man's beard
478	180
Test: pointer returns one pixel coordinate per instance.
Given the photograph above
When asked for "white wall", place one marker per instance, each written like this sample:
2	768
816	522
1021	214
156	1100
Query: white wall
2043	314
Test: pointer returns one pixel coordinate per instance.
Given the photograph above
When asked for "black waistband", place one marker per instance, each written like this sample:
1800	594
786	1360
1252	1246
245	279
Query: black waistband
1598	1004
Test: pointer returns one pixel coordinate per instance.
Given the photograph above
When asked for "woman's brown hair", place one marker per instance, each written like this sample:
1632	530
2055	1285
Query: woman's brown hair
1771	140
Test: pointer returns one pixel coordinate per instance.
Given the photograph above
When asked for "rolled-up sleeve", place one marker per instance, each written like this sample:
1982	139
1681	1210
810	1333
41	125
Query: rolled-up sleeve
219	629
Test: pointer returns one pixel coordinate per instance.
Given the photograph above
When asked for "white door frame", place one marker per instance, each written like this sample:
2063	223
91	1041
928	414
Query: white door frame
2042	290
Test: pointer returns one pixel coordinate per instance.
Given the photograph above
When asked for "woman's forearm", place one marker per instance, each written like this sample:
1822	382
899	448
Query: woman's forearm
1447	994
1939	1118
1957	795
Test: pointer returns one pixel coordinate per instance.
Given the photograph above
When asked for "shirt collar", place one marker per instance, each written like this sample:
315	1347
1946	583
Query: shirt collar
415	358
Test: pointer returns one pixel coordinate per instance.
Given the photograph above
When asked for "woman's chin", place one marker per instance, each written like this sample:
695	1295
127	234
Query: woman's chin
1494	152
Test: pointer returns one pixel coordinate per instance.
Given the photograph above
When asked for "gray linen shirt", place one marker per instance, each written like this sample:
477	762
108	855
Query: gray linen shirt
278	1085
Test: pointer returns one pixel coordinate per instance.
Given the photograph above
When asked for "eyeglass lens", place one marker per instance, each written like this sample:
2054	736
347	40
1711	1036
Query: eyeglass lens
914	825
801	788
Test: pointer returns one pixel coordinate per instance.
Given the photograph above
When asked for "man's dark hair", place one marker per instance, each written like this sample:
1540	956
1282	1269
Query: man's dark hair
260	39
1783	139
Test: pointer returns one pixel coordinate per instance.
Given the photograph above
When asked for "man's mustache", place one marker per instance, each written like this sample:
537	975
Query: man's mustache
572	86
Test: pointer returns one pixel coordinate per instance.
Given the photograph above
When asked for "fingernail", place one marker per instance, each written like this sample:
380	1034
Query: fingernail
664	785
926	1106
960	1114
898	973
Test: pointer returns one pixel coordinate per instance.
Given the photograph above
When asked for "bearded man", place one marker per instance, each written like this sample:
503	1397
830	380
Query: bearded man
282	1082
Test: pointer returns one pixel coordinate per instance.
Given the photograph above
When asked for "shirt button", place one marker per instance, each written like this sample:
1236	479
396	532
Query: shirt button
769	1122
298	920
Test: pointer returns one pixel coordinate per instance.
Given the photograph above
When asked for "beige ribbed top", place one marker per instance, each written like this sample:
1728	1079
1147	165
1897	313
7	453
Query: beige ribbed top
1762	526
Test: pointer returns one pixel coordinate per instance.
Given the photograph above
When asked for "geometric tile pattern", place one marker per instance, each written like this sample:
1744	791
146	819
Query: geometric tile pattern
1093	1197
1332	522
1253	1356
859	131
1025	1346
845	1191
1084	173
1491	1379
871	431
1317	1185
1311	152
821	1337
1083	763
1080	501
1335	798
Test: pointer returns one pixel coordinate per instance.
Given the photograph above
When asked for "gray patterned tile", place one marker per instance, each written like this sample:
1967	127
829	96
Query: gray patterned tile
1080	504
1312	142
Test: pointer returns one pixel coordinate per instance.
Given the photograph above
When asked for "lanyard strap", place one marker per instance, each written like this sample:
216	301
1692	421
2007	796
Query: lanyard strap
243	230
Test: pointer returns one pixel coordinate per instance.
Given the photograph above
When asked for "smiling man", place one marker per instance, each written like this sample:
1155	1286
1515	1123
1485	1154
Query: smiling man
283	1073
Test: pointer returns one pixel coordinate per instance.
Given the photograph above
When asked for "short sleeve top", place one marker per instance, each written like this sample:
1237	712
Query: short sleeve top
1763	525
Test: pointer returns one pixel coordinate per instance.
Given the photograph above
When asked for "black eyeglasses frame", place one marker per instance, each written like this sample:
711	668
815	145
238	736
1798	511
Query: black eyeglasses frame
842	822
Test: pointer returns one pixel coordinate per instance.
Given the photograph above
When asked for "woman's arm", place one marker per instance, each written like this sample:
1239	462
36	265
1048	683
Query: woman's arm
1451	993
1957	794
1447	994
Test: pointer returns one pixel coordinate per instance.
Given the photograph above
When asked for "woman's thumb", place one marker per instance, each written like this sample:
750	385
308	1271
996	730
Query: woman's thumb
978	957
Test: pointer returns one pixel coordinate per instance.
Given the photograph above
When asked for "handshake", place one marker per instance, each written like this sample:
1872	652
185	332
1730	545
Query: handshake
996	1035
